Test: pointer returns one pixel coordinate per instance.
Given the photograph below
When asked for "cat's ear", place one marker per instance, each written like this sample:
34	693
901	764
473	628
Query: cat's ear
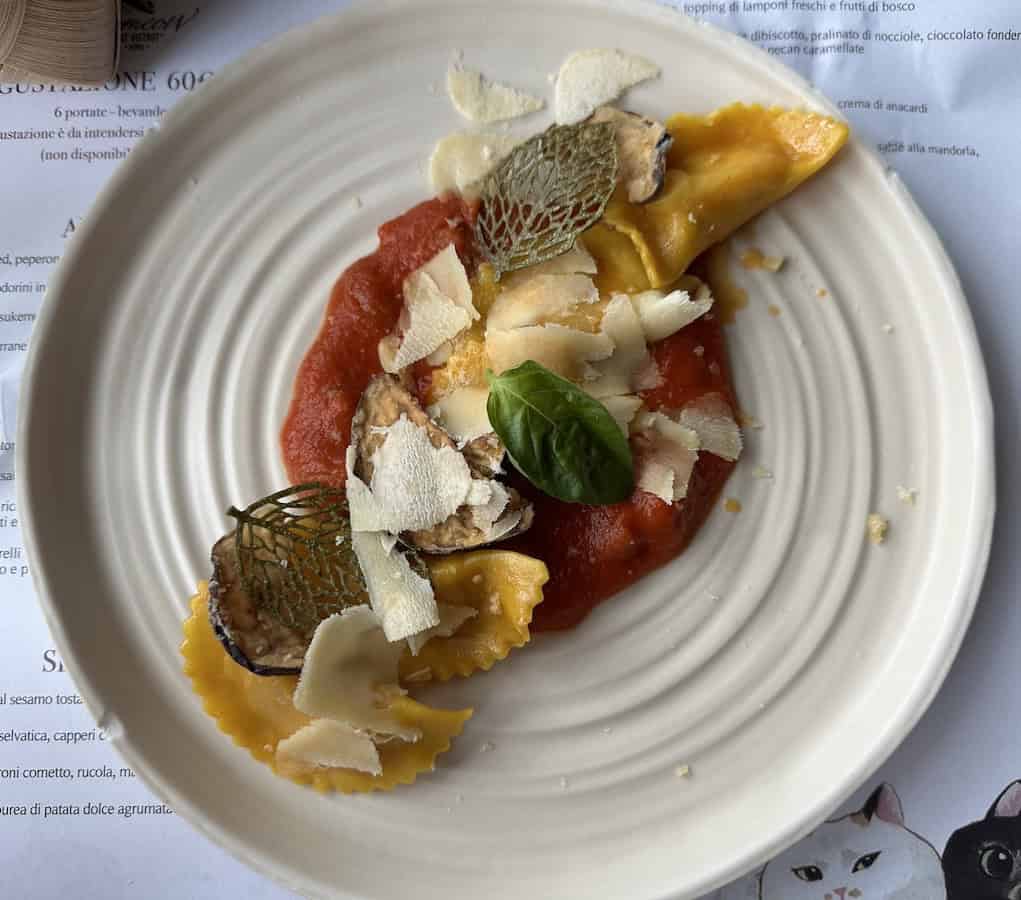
1008	804
884	804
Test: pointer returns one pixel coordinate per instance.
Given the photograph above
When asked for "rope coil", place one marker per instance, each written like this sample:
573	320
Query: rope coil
72	41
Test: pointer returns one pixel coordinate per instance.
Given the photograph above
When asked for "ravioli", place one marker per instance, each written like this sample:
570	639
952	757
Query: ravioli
504	588
257	712
722	170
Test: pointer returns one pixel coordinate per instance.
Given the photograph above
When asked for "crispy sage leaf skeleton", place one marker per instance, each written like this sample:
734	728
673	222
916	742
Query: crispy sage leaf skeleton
549	190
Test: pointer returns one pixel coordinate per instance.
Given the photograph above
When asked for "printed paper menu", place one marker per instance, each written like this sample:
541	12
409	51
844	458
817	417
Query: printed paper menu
932	83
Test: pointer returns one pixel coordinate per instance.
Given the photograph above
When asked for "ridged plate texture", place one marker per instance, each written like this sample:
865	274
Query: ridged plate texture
782	658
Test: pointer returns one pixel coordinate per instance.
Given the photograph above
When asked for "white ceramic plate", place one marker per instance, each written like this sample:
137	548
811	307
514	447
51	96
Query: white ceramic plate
782	658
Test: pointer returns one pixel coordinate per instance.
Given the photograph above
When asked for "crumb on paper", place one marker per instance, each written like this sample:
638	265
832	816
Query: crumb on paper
762	473
907	495
732	505
356	202
887	328
878	526
564	783
682	772
487	747
607	730
773	310
458	799
822	292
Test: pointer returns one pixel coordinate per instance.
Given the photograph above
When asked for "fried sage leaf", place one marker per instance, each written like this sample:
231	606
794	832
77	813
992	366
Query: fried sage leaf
561	439
549	190
294	555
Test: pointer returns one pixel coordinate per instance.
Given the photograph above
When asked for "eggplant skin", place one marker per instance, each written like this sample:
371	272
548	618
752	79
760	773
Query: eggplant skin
251	639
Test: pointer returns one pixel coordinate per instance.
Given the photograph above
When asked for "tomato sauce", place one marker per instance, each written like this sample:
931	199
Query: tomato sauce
363	309
592	552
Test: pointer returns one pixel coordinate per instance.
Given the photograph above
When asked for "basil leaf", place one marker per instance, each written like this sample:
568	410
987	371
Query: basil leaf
561	439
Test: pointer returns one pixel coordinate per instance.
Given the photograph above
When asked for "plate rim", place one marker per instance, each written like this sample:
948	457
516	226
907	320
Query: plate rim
982	513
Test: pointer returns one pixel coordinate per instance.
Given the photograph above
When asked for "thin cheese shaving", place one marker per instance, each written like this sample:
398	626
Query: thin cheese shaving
712	419
534	300
414	485
668	452
662	314
618	374
326	744
437	307
347	663
462	413
401	598
623	409
563	350
592	78
460	160
576	261
480	100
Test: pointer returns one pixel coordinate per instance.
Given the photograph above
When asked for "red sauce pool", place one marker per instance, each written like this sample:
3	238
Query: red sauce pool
592	552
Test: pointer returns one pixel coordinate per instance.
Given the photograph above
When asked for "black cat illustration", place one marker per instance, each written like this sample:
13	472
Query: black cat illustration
982	861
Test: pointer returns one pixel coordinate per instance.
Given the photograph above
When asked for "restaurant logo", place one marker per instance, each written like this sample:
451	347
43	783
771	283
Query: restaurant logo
144	26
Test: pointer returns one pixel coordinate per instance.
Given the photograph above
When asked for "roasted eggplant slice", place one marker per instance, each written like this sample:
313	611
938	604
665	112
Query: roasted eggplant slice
642	146
287	566
507	513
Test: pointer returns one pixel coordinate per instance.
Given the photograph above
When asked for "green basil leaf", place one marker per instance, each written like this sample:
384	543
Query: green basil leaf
561	439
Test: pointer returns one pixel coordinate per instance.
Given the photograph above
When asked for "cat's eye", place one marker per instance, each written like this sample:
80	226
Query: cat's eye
866	861
997	862
808	873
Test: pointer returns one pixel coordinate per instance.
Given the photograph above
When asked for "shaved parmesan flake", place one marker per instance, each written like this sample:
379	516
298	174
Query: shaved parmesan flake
331	745
534	300
480	100
576	261
591	78
462	413
662	315
346	665
451	618
711	418
460	160
414	484
618	374
623	409
667	455
447	270
402	599
563	350
437	307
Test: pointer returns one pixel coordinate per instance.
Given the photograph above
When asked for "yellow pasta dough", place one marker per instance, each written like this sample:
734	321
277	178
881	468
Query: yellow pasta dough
503	587
722	170
257	712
